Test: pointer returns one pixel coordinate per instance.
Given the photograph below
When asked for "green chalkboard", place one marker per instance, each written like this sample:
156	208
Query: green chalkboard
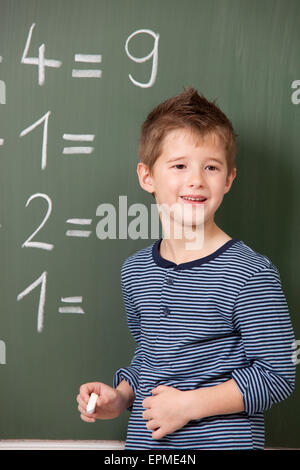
77	79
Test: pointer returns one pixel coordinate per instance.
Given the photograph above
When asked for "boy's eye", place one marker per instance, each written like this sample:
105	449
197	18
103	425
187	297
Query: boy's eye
211	166
179	166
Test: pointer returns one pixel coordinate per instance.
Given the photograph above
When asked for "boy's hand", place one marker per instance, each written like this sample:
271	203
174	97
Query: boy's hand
167	410
109	403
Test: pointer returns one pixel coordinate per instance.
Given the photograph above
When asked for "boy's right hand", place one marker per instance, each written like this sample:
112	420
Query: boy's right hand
109	403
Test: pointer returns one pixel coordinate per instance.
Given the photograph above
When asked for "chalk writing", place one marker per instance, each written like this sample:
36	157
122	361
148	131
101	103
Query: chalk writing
153	54
42	281
89	73
42	245
2	92
2	352
80	138
40	61
72	308
44	119
79	233
295	98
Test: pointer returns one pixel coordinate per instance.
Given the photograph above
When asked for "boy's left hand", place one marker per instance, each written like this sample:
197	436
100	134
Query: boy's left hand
167	410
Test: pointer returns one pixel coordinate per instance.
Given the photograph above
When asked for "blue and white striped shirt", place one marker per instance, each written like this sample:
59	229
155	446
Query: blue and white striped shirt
199	324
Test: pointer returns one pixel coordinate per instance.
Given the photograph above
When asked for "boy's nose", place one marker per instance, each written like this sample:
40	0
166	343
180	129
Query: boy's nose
195	179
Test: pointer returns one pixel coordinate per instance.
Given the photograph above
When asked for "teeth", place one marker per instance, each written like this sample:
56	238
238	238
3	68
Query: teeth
194	198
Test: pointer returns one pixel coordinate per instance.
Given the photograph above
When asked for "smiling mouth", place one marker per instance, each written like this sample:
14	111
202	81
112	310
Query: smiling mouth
193	200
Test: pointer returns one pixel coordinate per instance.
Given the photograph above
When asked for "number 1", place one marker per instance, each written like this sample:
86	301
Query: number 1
41	280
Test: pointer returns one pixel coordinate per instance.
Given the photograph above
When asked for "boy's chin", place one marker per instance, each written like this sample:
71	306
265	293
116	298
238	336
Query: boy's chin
192	224
189	229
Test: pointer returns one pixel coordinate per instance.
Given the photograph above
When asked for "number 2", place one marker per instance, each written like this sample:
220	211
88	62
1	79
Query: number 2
28	243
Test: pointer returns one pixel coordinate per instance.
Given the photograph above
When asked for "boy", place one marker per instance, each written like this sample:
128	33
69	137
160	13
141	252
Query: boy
214	337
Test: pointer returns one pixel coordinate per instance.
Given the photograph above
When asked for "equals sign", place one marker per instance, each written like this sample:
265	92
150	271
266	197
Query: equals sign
72	308
78	138
79	233
88	73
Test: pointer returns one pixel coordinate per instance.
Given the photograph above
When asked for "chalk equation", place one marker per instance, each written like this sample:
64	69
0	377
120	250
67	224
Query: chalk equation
41	282
106	228
68	150
41	61
86	65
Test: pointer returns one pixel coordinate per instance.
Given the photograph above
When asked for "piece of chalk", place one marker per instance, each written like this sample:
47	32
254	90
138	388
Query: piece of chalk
92	403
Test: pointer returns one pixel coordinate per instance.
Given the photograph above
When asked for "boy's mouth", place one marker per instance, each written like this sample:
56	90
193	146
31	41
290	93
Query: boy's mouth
194	199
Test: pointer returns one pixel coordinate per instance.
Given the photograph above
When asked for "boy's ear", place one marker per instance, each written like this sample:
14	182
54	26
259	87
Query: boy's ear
229	180
145	178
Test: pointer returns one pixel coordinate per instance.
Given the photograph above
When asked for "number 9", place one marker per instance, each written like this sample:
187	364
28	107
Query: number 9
153	53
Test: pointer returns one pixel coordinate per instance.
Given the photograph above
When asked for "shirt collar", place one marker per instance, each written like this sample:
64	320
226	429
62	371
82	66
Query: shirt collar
164	263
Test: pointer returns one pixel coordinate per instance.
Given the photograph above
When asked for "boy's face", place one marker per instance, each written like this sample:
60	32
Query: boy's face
189	166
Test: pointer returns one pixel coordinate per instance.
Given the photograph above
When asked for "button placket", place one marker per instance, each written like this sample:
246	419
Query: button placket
166	311
169	282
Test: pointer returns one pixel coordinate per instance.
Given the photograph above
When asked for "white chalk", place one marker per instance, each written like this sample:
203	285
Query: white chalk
92	403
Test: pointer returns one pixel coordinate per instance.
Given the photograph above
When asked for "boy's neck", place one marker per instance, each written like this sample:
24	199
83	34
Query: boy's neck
175	250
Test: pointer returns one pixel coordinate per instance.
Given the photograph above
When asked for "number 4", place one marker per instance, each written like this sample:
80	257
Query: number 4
40	61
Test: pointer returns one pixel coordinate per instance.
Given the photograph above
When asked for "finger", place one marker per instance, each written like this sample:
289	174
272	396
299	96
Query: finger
147	414
159	389
79	399
86	390
158	433
87	419
152	425
81	402
82	409
147	402
85	413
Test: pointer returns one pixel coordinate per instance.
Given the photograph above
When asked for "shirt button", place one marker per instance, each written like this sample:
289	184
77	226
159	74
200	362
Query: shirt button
166	310
170	280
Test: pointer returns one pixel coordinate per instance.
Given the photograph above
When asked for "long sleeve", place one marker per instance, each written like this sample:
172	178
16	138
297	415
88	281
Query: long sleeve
262	318
131	373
